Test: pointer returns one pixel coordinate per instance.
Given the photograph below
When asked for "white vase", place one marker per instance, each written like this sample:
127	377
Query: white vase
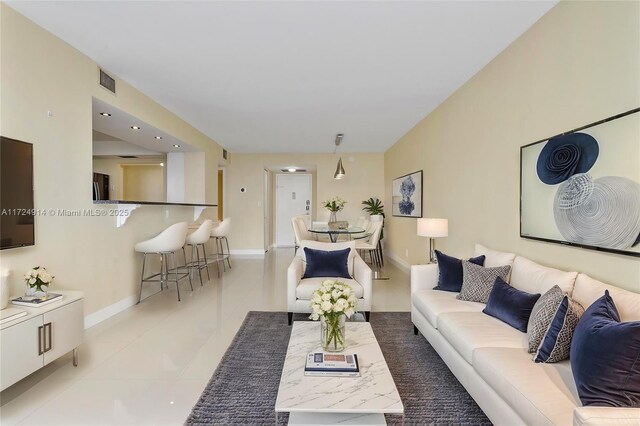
4	290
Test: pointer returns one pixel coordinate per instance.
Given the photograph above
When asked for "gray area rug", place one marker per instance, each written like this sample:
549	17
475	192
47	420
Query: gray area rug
243	392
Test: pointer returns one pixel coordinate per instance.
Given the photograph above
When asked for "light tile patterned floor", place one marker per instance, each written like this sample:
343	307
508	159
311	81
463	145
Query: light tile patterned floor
150	363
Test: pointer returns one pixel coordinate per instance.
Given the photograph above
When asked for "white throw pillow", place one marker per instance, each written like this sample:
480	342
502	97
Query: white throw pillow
493	258
534	278
587	290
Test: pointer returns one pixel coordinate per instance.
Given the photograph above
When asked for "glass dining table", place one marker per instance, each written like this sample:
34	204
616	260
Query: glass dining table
352	232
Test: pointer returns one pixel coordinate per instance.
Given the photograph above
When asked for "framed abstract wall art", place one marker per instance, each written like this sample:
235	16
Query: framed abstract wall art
582	187
407	195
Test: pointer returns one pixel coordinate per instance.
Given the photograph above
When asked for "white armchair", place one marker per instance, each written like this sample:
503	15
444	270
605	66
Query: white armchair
299	290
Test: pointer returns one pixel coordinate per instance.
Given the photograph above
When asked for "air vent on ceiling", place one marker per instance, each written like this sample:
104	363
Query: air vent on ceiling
128	156
225	154
107	81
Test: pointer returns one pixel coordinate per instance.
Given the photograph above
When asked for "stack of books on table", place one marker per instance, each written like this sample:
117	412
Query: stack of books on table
36	301
332	365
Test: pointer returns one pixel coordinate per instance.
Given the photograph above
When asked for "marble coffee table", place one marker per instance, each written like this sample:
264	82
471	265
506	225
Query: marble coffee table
337	400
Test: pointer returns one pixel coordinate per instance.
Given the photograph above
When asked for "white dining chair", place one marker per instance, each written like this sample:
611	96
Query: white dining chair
197	240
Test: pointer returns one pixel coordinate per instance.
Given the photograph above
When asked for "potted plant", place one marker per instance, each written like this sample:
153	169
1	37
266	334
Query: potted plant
374	207
38	281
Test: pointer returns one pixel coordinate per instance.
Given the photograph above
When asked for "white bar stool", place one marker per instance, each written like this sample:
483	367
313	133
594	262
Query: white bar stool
197	239
166	243
219	234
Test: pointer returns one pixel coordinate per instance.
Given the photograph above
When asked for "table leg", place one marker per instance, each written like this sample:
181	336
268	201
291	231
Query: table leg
75	357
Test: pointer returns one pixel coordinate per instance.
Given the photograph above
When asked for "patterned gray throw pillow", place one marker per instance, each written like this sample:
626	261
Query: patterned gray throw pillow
477	281
543	312
556	343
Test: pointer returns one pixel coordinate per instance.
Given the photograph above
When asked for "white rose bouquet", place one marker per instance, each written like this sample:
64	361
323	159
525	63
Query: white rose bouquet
332	302
334	204
38	277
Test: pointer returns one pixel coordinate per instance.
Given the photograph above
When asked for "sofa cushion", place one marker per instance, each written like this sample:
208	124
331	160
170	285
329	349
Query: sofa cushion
432	303
541	394
307	286
510	305
450	271
326	263
534	278
494	258
541	316
587	290
468	331
605	357
478	281
556	343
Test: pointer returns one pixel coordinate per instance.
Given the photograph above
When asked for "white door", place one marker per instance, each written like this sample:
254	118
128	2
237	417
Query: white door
293	198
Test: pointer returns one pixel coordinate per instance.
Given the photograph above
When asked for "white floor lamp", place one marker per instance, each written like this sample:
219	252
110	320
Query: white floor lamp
433	228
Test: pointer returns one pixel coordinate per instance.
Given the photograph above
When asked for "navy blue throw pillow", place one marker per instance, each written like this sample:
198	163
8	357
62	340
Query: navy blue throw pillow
605	357
450	271
510	305
326	264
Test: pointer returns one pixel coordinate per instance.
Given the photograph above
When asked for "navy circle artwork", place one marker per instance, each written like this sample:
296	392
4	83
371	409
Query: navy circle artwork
565	156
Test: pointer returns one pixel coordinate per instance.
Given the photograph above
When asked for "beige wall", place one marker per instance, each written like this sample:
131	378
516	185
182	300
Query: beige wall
41	73
143	182
578	64
364	179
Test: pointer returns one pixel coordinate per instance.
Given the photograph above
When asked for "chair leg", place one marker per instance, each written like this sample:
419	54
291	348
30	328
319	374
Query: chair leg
226	240
168	269
220	251
144	261
162	276
367	314
415	330
206	264
199	264
290	315
380	252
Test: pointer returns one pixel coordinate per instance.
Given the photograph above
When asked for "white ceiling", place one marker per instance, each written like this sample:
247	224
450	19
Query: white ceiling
287	76
132	142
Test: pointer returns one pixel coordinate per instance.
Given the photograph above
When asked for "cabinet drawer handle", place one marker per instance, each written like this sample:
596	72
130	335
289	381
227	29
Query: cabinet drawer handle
40	338
48	329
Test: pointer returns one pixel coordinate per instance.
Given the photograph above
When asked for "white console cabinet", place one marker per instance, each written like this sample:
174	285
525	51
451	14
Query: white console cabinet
32	341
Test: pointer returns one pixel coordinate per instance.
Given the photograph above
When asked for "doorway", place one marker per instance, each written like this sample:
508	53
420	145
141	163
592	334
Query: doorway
293	198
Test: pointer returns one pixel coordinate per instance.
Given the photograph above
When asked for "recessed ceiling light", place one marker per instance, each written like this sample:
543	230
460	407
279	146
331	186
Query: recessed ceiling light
158	137
105	114
136	127
292	169
176	146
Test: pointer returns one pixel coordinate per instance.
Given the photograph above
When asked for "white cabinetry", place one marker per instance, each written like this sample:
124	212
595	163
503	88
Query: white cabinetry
43	335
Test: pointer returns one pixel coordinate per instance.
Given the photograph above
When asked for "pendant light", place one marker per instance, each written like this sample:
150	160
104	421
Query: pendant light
340	173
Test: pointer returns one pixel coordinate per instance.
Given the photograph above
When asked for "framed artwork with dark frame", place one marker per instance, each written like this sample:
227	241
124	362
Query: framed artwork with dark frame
582	187
407	195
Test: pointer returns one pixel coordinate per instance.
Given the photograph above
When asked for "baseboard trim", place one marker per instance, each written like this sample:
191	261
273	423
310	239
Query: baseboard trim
399	262
109	311
248	252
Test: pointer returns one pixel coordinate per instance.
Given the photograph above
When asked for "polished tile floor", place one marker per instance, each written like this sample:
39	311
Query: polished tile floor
150	363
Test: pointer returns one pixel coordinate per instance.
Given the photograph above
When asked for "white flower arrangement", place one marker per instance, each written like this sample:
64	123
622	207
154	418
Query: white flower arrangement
38	277
333	298
334	204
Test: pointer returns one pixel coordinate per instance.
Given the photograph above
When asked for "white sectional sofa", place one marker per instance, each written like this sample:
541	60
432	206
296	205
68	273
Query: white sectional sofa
490	358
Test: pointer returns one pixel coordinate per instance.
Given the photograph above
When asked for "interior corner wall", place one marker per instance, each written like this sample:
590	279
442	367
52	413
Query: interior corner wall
42	73
578	64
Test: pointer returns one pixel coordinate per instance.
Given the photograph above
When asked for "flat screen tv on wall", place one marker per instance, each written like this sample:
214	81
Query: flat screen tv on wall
16	194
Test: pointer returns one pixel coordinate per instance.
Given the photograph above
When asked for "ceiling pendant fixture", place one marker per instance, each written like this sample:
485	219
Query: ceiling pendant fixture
340	173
